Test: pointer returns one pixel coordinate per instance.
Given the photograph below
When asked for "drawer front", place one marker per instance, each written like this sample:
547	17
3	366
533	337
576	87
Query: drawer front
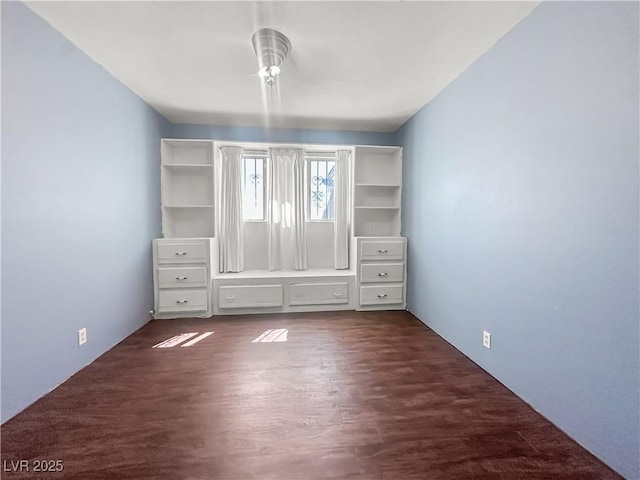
381	294
318	293
382	272
382	250
182	252
250	296
182	300
181	277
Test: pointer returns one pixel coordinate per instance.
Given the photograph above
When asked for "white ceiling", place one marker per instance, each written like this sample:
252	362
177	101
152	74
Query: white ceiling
354	65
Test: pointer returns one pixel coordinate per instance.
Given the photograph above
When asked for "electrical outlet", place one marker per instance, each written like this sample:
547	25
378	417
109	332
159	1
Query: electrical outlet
82	336
486	339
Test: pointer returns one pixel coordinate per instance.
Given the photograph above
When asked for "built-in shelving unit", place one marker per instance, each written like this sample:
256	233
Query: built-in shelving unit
187	189
380	252
377	191
187	281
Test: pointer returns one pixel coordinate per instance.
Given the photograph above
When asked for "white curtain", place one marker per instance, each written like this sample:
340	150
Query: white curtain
230	227
342	202
285	200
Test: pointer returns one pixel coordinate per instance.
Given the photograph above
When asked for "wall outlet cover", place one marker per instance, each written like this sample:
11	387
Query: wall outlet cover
486	339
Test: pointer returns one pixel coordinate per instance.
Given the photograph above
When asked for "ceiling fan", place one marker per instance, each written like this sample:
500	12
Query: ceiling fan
271	48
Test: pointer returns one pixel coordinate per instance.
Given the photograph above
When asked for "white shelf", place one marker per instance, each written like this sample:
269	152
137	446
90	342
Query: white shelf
377	208
187	222
377	222
311	272
187	166
187	186
187	152
378	166
188	206
378	185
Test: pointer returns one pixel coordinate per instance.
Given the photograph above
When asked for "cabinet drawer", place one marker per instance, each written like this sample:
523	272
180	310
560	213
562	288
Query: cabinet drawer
182	252
181	277
182	300
382	250
381	294
249	296
318	293
382	272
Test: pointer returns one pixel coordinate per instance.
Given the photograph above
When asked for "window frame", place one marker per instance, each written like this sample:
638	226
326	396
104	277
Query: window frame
253	156
307	196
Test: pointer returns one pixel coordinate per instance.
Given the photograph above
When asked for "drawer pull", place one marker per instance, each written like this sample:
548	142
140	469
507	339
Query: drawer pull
383	274
181	278
383	250
337	294
229	297
181	253
382	295
181	301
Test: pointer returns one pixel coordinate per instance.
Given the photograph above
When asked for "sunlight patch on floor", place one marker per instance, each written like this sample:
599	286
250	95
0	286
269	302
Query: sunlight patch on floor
197	339
272	336
182	337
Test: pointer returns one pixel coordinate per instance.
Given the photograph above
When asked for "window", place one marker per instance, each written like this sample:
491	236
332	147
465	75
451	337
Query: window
320	197
253	178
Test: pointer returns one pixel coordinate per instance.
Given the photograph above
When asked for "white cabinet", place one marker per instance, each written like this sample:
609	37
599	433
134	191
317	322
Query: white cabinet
382	273
250	296
377	191
182	300
182	277
190	251
284	291
187	188
381	294
178	277
373	249
318	293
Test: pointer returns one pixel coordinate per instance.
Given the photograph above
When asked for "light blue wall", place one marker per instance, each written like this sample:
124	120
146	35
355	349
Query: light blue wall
80	205
521	209
284	135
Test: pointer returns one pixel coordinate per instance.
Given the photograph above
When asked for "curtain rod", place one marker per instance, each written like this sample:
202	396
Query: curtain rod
265	152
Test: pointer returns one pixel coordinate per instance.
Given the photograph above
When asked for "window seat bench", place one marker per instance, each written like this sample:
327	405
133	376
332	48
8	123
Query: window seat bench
263	291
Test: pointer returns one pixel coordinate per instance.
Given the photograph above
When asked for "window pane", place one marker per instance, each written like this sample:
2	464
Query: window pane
321	197
253	189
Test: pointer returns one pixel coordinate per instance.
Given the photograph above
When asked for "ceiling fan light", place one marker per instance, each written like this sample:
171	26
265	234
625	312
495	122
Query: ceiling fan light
266	72
274	70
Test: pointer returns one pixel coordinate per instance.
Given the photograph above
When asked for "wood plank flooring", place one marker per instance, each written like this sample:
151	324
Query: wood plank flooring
349	395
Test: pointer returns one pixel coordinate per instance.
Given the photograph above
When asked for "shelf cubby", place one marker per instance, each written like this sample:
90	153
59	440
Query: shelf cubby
187	152
191	222
187	185
377	222
377	195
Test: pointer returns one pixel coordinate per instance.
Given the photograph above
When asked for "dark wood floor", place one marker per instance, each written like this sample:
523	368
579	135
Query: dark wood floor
349	395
